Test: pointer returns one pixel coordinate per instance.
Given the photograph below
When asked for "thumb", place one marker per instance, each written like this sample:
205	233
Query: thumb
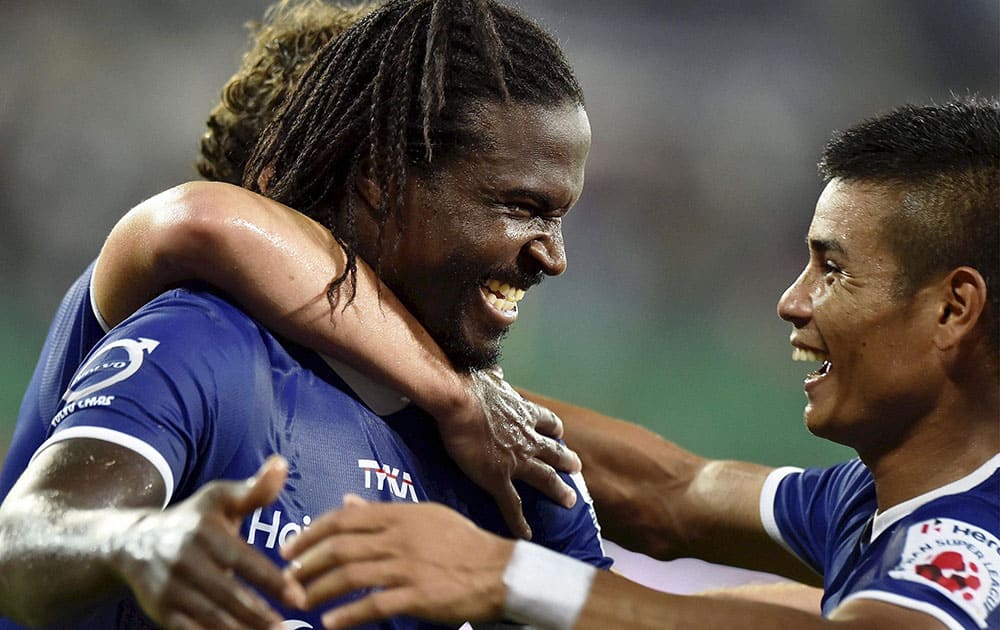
261	489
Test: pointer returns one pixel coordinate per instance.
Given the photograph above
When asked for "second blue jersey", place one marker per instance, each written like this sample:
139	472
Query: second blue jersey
938	553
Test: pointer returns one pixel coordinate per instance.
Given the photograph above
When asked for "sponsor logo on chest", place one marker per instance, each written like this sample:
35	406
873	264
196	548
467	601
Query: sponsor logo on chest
386	478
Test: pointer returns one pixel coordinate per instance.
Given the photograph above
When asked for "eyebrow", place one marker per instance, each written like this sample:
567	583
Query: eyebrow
540	199
821	245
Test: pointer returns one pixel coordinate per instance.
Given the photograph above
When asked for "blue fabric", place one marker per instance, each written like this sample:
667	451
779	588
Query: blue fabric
214	393
940	549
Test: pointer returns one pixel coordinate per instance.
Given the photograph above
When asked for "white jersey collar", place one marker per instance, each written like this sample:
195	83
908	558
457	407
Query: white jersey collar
883	520
379	398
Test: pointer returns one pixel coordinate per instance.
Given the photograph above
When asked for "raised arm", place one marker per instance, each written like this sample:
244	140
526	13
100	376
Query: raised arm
277	264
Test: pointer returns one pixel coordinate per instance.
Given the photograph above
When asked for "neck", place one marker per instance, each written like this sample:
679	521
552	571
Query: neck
962	436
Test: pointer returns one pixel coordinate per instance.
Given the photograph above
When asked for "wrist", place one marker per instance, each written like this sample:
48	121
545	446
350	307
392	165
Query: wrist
453	401
544	588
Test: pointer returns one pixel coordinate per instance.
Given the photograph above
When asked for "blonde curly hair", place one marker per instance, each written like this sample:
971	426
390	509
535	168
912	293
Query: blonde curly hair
281	47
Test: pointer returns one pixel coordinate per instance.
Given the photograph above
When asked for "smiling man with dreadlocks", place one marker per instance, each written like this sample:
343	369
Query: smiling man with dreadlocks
443	142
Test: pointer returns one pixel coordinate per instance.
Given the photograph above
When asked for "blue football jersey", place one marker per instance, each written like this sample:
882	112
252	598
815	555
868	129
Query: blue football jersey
938	553
204	392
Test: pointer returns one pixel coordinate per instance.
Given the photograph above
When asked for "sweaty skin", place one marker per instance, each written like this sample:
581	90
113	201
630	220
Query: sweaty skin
842	309
276	263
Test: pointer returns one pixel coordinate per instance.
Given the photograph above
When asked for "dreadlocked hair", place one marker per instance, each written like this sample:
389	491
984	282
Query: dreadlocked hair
399	91
281	47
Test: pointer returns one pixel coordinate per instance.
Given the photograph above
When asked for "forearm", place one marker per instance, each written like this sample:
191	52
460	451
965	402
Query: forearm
655	497
277	264
52	561
615	602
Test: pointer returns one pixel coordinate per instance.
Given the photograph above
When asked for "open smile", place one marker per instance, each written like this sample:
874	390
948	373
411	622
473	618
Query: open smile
800	353
502	298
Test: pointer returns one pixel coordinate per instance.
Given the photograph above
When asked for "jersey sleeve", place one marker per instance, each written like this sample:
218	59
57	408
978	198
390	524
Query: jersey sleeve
944	560
156	385
799	506
574	532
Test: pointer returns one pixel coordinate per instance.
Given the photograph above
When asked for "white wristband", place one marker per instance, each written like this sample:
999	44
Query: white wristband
544	588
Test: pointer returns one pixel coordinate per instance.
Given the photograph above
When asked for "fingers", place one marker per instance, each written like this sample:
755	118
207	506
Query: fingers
263	488
227	601
234	554
546	421
557	455
353	518
546	480
191	608
335	550
509	502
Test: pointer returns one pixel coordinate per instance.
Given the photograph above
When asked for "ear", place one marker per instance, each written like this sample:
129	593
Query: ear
964	298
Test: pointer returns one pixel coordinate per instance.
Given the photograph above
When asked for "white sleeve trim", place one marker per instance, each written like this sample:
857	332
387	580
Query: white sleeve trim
545	588
767	496
121	439
910	603
93	305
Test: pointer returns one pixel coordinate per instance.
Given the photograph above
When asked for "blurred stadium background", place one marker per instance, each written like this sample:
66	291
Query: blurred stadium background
708	118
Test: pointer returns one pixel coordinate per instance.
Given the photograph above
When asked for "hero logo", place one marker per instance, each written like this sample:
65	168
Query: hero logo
956	558
401	487
107	366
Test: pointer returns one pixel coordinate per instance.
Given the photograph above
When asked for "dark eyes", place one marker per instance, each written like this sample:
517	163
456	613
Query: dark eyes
831	271
520	210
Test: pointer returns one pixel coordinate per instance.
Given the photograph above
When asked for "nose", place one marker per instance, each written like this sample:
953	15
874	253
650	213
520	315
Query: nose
548	252
795	305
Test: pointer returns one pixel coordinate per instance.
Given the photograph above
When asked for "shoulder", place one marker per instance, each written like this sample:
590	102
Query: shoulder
193	311
186	335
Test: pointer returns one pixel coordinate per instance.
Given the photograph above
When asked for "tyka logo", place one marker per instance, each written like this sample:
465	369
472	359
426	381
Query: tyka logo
110	364
401	484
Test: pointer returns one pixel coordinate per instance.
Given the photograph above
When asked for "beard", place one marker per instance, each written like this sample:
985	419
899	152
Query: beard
449	321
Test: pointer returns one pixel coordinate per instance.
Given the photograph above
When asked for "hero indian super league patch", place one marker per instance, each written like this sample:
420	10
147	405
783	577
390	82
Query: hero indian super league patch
956	558
110	364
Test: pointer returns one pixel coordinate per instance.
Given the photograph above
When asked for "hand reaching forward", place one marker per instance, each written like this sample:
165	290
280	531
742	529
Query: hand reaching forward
505	437
428	560
190	568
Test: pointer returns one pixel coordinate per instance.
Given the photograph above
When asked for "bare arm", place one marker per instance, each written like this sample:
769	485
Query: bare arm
84	521
277	264
657	498
433	563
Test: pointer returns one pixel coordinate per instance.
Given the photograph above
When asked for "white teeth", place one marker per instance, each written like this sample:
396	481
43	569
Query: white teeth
504	292
801	354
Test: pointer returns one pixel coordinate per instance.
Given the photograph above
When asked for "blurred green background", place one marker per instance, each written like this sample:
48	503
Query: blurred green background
708	118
